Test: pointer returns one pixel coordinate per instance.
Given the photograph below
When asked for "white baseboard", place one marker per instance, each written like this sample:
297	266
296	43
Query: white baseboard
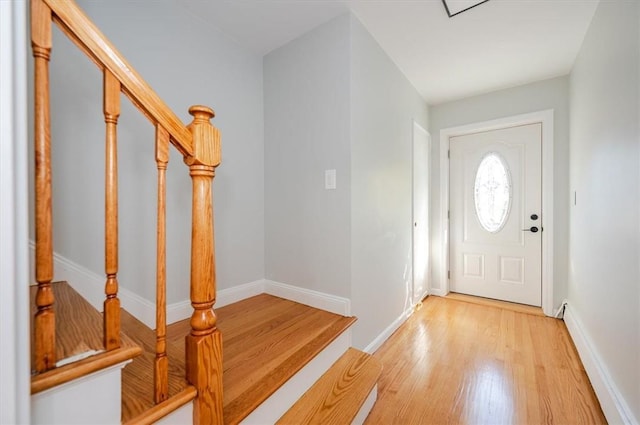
91	286
438	292
182	309
385	334
320	300
613	404
239	293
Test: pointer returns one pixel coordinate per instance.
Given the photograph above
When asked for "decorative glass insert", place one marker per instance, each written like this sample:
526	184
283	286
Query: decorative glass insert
492	192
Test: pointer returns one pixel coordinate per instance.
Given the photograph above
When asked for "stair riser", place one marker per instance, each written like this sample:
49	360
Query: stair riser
366	407
280	401
92	399
181	416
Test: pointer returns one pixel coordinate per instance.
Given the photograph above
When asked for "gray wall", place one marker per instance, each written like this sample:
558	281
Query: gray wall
548	94
333	99
383	106
604	289
186	62
307	228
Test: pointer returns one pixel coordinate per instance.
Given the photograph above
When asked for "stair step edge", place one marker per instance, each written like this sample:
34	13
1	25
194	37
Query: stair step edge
163	409
338	395
84	367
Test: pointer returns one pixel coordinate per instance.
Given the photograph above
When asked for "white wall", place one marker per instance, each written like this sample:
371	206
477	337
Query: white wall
383	107
187	62
604	288
548	94
307	228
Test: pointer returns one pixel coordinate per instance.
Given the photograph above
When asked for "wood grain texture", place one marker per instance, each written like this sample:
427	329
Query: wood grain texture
78	324
455	362
266	340
336	398
161	410
44	322
86	35
111	109
204	372
161	371
78	330
520	308
137	377
204	343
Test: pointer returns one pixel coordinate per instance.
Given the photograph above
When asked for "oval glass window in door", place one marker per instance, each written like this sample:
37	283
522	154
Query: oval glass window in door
492	192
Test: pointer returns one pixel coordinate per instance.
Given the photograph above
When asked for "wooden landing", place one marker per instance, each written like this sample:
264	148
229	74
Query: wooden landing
266	340
336	398
79	330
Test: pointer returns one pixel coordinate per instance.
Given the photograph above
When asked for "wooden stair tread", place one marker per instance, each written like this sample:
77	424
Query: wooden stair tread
336	398
266	340
79	329
137	377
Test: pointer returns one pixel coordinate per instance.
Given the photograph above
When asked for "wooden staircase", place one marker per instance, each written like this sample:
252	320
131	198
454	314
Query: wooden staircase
241	363
266	341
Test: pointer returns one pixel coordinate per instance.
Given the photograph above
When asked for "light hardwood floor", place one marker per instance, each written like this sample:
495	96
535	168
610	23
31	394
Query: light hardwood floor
455	362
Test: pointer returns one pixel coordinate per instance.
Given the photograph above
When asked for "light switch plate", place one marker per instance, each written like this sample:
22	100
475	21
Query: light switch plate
329	179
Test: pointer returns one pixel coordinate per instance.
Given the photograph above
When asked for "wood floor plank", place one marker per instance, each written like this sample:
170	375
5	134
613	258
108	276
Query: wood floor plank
521	308
456	362
336	398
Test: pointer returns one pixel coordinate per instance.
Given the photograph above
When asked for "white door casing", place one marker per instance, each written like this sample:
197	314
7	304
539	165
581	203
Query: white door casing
420	190
491	253
440	282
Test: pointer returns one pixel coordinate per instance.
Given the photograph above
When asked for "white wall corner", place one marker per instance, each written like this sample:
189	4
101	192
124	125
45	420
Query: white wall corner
320	300
615	408
385	334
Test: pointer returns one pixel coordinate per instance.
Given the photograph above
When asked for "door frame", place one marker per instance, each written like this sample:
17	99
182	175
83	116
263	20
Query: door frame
427	287
546	119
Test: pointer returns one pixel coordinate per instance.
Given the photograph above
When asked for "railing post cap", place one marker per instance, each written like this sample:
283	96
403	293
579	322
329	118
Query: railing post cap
201	111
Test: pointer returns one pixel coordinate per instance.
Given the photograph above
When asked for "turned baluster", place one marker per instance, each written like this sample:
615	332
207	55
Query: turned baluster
204	343
111	110
161	365
44	323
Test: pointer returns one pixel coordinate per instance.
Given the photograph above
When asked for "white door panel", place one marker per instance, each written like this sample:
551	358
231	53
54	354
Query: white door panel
491	253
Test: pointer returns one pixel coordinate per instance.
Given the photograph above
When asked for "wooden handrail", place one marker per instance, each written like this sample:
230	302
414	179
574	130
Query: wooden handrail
86	35
199	143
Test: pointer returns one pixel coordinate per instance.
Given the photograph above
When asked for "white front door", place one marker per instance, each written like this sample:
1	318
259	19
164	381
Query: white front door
420	212
495	214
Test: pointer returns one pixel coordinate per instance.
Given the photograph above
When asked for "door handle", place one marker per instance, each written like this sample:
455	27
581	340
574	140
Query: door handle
533	229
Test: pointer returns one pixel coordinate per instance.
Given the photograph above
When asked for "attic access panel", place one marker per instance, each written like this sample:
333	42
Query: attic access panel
455	7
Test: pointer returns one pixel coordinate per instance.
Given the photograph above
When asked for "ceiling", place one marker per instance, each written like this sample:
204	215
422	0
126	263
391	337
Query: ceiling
498	44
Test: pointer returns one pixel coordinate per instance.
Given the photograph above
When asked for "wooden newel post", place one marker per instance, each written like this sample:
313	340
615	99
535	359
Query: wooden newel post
204	343
44	323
